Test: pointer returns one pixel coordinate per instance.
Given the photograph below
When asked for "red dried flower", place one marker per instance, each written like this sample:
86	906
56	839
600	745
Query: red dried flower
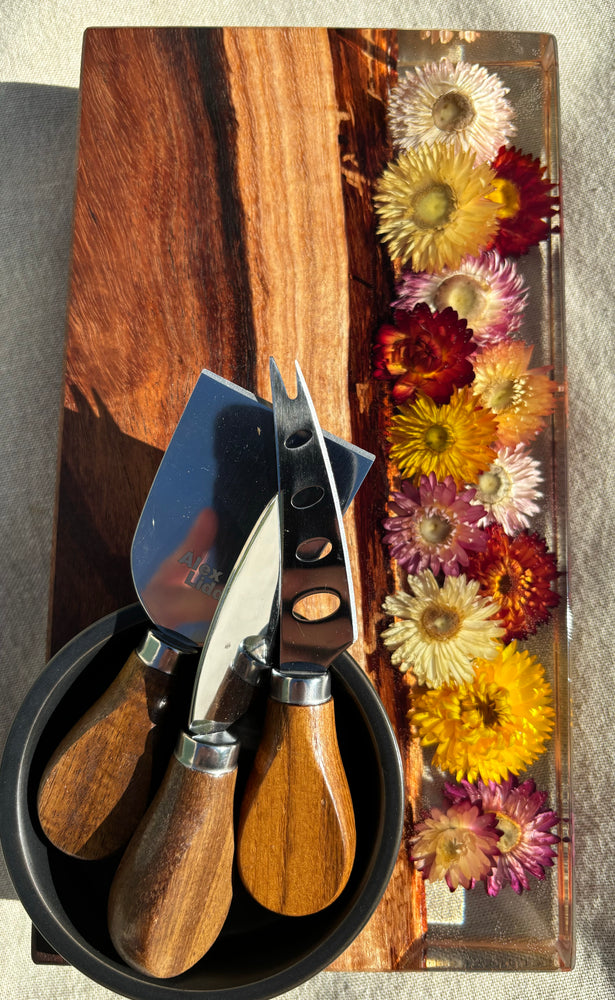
525	201
425	351
517	573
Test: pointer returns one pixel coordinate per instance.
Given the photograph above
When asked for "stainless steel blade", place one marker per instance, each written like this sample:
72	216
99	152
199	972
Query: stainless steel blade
215	477
314	555
236	648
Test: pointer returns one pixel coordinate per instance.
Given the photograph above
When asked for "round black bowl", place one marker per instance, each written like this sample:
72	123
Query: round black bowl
258	954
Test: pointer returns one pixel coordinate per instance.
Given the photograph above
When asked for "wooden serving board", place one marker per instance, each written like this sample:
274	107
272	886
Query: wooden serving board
223	214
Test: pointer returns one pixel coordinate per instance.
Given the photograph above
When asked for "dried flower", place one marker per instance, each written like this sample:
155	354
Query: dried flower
433	207
434	527
517	573
441	630
493	726
426	351
524	199
451	440
526	842
445	36
507	489
457	104
459	845
519	397
486	291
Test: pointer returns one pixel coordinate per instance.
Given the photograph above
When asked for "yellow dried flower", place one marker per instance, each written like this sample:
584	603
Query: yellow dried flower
492	727
450	440
433	207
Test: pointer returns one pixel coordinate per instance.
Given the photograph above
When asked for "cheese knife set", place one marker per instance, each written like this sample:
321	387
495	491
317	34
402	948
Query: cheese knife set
239	557
185	806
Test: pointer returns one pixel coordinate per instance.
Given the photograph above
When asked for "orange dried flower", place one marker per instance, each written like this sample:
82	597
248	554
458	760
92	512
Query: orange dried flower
493	726
517	573
519	397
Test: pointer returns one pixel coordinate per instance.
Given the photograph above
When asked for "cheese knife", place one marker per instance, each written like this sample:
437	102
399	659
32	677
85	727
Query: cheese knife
296	840
214	480
173	888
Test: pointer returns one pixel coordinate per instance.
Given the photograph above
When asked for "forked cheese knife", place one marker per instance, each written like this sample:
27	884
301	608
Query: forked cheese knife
214	480
296	839
173	888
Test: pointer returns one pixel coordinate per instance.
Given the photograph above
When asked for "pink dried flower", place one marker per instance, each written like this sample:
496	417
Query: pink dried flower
526	842
459	845
486	291
507	489
459	105
434	527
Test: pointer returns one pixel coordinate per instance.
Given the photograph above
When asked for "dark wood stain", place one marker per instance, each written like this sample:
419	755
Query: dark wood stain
110	763
159	290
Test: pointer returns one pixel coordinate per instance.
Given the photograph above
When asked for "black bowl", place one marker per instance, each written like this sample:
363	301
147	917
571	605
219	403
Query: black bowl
258	954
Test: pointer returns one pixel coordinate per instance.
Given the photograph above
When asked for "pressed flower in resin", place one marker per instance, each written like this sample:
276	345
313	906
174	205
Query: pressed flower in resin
434	527
433	207
525	202
517	573
454	439
457	104
507	489
458	846
426	351
493	726
520	398
524	825
486	291
441	629
444	36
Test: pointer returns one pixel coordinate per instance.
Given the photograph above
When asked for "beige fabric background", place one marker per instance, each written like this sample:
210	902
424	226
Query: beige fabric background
40	45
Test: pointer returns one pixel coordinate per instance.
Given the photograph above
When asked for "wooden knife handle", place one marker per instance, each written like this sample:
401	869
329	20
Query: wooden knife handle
296	838
172	891
98	782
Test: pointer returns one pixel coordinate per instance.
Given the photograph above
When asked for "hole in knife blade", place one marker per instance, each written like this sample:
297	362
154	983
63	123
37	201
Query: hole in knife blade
298	438
316	606
313	549
309	496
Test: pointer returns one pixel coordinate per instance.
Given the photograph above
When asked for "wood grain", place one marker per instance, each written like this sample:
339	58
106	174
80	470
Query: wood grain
173	888
296	839
224	213
159	290
364	68
100	779
283	93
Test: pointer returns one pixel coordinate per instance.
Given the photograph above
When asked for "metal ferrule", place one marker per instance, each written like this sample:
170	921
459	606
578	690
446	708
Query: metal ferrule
158	654
300	687
251	660
216	753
